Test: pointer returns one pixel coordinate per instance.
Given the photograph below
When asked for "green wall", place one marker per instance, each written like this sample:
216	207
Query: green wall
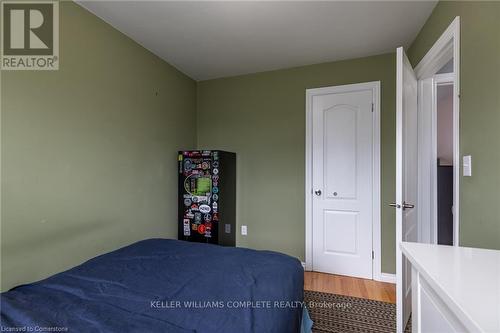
479	112
88	151
261	117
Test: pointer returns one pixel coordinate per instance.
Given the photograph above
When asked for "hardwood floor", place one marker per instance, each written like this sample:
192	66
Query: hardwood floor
349	286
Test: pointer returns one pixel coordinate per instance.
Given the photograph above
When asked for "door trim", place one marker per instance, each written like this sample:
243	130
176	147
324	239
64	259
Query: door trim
445	48
376	199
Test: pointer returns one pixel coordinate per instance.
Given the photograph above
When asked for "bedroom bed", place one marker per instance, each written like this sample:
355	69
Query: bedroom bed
162	285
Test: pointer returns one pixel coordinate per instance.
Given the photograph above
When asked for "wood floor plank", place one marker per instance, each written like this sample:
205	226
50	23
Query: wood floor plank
349	286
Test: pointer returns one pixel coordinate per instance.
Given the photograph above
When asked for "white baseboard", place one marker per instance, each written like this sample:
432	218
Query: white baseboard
307	267
387	277
381	277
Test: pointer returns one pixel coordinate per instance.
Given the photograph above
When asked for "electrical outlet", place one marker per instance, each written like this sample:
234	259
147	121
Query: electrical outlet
244	230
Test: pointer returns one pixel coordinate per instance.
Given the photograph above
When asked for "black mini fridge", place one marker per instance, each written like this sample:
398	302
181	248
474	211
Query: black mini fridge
207	196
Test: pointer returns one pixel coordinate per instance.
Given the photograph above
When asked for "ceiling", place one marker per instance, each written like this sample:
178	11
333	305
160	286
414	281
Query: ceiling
207	40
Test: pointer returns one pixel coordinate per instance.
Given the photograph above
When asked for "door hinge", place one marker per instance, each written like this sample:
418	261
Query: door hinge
373	107
373	255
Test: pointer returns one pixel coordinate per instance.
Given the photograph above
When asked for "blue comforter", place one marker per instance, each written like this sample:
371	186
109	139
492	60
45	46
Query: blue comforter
161	285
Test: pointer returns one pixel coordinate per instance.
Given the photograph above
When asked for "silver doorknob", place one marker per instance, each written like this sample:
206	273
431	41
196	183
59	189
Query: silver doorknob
317	192
405	205
408	206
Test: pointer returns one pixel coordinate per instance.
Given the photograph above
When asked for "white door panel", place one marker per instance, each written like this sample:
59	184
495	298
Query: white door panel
343	172
406	179
346	241
340	151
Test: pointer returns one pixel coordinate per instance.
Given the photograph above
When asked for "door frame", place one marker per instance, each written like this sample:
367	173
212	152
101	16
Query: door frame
445	48
376	198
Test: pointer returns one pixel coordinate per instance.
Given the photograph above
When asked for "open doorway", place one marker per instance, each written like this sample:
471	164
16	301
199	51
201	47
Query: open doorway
438	140
444	169
444	159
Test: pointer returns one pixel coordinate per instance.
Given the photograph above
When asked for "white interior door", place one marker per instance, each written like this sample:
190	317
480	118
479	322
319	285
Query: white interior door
406	180
342	180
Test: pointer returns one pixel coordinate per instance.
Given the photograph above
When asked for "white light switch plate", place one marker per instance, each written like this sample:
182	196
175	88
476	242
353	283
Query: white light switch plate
244	230
467	164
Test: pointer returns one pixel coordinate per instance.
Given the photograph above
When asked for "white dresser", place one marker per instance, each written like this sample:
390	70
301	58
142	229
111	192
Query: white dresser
454	289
